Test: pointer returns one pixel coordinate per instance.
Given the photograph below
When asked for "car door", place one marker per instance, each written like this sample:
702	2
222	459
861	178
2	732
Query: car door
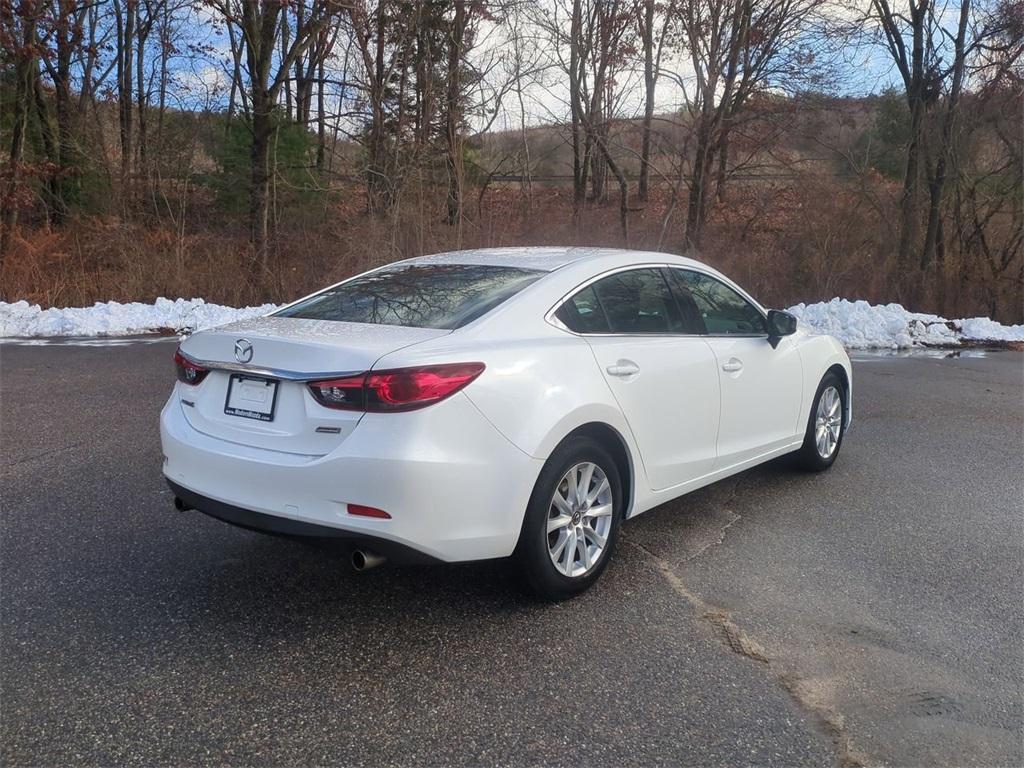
761	386
661	371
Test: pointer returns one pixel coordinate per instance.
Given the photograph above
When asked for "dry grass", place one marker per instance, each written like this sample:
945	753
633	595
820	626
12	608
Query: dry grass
808	241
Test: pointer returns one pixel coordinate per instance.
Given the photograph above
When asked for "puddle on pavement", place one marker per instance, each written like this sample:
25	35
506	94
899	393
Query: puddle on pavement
934	353
87	341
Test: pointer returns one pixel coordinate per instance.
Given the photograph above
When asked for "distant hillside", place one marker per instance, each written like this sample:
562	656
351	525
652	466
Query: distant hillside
780	136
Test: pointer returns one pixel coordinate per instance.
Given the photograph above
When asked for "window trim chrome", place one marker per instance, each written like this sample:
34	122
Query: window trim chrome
552	320
270	373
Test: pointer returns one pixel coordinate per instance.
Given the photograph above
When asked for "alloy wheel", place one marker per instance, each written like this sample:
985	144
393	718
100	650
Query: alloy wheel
828	422
579	519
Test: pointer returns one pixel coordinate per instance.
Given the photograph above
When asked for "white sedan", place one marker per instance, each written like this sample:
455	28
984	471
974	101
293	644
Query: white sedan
491	403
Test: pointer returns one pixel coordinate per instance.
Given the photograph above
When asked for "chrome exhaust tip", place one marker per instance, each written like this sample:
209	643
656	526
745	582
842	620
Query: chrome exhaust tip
364	561
181	505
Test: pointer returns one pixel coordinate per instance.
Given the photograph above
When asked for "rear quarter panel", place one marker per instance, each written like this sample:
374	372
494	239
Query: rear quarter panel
534	391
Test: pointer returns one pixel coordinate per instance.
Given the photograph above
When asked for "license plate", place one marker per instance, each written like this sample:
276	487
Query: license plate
251	398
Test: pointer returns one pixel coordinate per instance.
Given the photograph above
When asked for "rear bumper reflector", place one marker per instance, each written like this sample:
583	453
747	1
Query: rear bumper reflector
361	511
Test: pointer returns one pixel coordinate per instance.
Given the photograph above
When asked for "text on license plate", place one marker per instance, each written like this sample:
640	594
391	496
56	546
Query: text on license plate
251	397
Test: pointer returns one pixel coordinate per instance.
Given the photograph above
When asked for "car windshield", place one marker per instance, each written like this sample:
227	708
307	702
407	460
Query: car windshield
444	296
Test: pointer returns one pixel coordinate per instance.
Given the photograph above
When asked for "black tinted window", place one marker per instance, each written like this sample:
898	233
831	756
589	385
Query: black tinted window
639	301
693	322
423	296
583	313
721	308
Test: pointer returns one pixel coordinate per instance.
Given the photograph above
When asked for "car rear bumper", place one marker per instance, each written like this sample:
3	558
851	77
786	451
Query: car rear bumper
296	529
455	488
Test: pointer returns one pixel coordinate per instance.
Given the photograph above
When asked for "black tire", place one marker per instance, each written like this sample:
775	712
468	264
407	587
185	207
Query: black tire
532	555
809	458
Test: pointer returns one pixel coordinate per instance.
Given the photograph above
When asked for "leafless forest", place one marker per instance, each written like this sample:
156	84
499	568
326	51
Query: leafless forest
244	150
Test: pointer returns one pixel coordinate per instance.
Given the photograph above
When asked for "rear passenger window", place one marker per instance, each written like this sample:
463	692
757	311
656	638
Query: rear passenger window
583	314
722	309
639	301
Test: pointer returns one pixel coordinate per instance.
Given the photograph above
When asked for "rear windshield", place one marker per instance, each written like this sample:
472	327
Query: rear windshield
444	296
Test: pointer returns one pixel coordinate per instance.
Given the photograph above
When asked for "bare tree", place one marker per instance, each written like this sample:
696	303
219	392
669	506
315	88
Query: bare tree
378	40
457	41
60	34
592	33
736	49
653	25
932	46
259	29
126	16
18	39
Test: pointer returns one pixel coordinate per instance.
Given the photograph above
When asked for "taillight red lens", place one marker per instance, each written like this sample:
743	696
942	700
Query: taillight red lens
188	372
405	389
401	389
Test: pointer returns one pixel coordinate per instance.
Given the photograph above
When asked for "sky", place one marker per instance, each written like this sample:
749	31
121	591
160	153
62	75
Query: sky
203	83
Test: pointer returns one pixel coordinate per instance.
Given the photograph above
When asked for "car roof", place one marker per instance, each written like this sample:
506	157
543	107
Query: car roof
545	259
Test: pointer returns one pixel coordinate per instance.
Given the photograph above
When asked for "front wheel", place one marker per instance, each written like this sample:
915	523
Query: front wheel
825	426
572	521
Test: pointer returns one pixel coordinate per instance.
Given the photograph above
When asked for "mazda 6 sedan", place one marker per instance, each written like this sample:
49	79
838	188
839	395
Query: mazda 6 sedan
492	403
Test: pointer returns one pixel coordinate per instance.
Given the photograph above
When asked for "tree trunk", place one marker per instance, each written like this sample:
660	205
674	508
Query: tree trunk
236	76
287	82
910	201
321	124
25	71
125	78
164	54
454	109
378	181
576	64
697	204
52	191
259	200
142	97
723	166
938	181
66	155
650	80
623	191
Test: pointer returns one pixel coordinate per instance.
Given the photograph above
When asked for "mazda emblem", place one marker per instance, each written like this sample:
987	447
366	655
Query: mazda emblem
243	350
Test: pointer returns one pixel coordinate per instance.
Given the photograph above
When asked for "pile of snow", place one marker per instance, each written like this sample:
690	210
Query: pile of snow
859	325
111	318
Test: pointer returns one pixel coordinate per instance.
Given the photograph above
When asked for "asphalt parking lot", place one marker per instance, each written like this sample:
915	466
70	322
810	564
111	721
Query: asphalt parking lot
869	615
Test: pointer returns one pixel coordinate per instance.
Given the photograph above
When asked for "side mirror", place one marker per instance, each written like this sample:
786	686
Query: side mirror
779	324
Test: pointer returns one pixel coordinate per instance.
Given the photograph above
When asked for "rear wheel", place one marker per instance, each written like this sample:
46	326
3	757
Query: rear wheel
572	521
825	426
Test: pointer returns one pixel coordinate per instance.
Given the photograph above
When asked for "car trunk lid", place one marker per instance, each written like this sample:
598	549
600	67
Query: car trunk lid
256	392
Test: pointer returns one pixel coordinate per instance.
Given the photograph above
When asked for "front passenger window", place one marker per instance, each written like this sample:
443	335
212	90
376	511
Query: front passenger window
723	310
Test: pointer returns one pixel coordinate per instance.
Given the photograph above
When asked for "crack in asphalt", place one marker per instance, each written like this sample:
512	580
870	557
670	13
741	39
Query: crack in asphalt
808	696
45	454
722	533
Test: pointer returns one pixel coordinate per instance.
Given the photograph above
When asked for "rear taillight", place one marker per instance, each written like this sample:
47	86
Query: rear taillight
342	394
408	388
188	372
402	389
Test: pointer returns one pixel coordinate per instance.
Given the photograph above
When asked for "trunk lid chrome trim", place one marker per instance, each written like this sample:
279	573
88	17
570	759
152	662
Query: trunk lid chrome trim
273	373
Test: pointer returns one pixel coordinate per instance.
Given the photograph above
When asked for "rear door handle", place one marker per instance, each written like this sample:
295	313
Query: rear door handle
732	365
623	368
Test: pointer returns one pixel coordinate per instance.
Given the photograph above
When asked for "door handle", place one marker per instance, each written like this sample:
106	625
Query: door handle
623	368
732	365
